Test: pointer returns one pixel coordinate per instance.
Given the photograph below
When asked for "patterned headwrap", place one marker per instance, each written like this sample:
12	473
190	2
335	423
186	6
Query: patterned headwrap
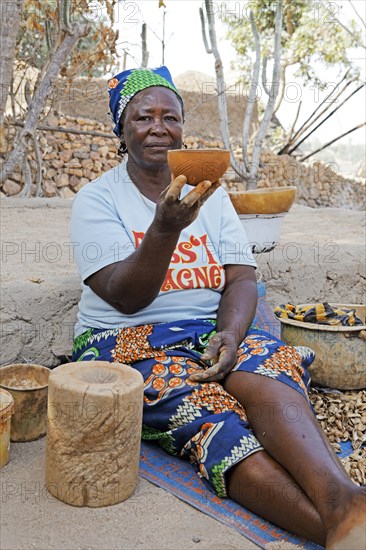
124	86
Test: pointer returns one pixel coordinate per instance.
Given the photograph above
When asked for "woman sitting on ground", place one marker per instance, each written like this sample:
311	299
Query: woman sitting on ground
166	291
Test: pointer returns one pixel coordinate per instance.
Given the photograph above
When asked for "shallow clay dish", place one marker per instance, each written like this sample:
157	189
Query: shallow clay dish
199	164
264	201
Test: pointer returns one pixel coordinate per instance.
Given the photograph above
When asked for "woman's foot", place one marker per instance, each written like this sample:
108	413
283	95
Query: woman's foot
350	531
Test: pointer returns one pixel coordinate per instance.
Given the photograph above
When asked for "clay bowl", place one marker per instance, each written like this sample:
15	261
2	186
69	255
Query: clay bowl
272	200
199	164
340	352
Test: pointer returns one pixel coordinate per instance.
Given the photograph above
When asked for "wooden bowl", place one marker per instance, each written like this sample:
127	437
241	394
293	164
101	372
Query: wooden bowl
340	352
199	164
271	200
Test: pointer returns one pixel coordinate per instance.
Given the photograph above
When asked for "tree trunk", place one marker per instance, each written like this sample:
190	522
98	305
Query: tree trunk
282	87
252	94
258	142
145	53
220	80
38	101
10	15
247	170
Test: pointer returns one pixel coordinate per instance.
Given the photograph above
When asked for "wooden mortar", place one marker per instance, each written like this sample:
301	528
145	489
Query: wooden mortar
94	432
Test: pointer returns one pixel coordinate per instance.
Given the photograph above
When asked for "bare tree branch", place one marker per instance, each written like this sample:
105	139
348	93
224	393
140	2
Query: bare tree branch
10	15
264	75
258	142
224	127
203	30
27	174
37	103
76	131
324	120
282	84
324	101
145	53
358	15
282	87
38	182
294	122
247	170
312	118
333	141
252	94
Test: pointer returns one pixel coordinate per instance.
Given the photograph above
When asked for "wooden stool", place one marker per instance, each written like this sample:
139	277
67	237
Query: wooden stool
94	432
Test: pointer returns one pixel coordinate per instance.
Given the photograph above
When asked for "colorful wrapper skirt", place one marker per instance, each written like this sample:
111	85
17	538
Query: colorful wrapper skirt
200	421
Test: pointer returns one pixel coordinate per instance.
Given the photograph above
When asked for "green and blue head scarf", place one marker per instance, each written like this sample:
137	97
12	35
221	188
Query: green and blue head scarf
124	86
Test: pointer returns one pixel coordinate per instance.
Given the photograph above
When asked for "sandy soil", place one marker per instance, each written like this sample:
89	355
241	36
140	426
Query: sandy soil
35	252
320	257
36	244
40	281
150	519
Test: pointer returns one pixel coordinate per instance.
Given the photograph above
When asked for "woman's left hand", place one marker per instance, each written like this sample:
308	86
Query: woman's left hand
221	351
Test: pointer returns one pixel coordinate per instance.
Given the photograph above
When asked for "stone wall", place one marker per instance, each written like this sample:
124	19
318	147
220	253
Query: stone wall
71	160
318	184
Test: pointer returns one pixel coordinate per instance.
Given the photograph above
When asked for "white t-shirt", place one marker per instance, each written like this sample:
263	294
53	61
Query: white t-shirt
109	220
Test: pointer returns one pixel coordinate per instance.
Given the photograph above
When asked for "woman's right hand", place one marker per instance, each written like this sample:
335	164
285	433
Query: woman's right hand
174	214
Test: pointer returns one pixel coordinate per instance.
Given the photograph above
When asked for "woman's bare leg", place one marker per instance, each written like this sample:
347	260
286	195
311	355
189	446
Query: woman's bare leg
261	485
287	429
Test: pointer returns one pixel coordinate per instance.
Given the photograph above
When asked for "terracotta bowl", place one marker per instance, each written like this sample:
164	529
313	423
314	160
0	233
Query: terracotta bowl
199	164
272	200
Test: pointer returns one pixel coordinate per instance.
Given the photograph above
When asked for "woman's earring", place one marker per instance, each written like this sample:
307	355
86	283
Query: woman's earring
122	149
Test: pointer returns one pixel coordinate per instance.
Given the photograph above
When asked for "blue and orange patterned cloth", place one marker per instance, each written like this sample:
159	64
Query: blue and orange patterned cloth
200	421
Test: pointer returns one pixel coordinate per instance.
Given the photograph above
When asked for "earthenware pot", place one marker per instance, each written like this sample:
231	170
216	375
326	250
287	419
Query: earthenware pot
6	411
28	386
340	352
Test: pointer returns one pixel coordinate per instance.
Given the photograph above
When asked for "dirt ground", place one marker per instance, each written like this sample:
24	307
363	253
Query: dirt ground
36	244
320	257
150	519
36	263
